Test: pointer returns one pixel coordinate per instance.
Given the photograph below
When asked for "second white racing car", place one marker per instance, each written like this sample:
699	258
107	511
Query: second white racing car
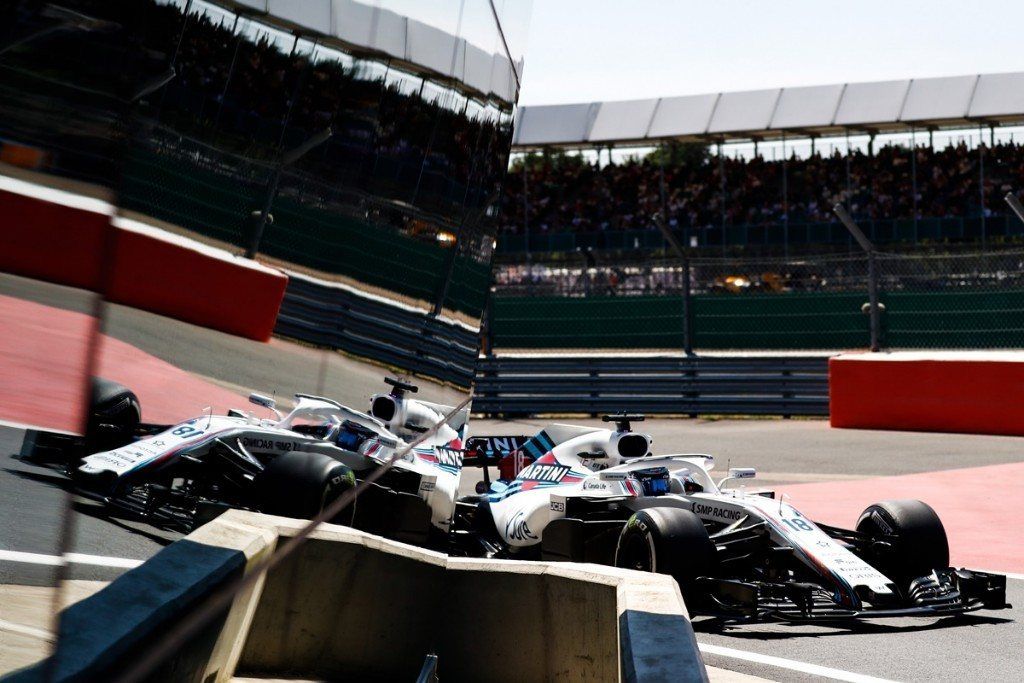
600	495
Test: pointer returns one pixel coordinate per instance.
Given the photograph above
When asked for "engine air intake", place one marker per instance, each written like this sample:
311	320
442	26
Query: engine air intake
383	408
633	446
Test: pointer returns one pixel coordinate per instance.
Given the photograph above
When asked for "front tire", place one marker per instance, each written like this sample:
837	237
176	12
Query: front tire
301	485
915	537
669	541
114	416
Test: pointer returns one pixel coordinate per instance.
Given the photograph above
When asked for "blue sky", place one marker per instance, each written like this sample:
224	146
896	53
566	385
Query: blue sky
585	50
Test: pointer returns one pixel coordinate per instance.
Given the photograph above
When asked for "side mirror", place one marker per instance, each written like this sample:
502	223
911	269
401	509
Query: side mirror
261	400
738	473
742	472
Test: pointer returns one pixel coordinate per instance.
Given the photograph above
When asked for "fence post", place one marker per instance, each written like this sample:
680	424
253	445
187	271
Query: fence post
867	246
685	259
287	159
687	310
873	311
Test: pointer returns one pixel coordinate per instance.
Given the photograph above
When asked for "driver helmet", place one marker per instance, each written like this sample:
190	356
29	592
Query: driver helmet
690	484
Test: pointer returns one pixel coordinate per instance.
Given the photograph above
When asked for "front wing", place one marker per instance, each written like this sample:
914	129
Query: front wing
955	592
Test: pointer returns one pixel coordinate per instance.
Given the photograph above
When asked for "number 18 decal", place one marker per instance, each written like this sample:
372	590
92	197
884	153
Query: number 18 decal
798	524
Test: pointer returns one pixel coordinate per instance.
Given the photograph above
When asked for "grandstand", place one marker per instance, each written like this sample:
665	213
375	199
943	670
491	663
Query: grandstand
910	192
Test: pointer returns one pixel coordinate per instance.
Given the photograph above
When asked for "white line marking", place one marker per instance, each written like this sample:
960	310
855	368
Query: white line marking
55	196
1009	575
813	669
73	558
34	428
11	627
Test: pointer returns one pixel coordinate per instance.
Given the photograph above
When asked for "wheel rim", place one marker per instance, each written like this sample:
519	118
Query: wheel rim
635	554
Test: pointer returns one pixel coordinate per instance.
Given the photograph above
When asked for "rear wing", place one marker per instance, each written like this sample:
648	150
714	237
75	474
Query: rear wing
488	450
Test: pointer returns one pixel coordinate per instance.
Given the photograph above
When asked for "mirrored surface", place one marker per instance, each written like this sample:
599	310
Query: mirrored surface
223	230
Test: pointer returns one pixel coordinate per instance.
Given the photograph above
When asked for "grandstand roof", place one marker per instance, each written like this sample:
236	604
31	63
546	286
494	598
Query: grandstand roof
421	48
879	107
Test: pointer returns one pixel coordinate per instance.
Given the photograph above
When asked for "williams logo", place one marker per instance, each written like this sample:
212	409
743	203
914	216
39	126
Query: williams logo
448	456
517	530
539	472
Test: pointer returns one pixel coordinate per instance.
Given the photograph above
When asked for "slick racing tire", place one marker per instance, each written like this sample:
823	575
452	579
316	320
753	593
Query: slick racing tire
669	541
301	485
916	540
114	416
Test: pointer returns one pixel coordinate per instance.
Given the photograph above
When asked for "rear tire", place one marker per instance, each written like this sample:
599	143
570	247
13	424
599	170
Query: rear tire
114	416
917	539
301	485
669	541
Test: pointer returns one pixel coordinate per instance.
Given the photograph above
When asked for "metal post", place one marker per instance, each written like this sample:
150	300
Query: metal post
873	300
685	262
661	182
785	200
261	224
487	317
721	185
913	178
687	315
288	158
849	186
177	49
981	182
525	206
231	72
869	248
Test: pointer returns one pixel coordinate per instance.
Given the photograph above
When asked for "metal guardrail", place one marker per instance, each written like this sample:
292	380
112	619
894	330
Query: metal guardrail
415	342
405	338
696	385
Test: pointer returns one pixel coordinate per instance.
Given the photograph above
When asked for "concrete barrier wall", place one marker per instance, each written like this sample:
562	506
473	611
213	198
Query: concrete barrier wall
978	392
58	240
63	237
354	606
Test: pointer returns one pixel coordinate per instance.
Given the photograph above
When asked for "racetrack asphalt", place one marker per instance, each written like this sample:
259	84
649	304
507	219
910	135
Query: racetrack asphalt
985	646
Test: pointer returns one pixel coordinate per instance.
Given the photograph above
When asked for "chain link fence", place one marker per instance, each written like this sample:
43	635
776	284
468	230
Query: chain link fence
927	300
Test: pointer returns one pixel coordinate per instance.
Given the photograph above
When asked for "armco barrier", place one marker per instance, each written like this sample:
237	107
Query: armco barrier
740	385
353	606
64	237
979	392
330	314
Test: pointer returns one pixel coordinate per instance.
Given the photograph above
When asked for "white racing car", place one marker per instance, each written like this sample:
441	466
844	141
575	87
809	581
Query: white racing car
292	465
598	495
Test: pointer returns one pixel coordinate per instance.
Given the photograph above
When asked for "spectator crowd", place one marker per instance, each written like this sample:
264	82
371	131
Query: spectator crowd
568	194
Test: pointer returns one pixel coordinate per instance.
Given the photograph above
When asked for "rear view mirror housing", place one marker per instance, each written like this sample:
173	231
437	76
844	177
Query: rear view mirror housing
738	473
742	473
261	400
